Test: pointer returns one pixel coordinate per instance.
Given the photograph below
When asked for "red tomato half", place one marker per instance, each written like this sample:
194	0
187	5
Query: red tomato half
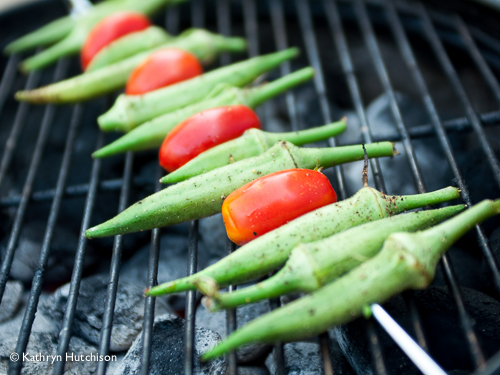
109	29
162	68
273	200
205	130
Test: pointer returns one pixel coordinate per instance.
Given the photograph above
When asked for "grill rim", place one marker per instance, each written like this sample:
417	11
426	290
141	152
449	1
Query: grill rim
251	31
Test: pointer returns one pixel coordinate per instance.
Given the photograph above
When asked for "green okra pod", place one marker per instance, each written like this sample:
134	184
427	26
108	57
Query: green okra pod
72	42
203	195
151	134
313	265
129	45
270	251
130	111
202	43
48	34
252	143
406	261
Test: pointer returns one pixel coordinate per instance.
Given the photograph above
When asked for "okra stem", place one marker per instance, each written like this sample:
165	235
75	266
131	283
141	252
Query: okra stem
312	265
329	156
406	261
258	95
270	251
151	134
315	134
131	111
203	195
48	34
252	143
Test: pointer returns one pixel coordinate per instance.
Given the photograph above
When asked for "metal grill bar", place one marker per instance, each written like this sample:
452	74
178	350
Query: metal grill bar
458	125
450	71
107	320
482	66
191	298
7	79
28	185
311	45
446	263
348	69
412	64
19	120
149	302
376	348
76	277
171	24
279	30
198	20
335	23
36	287
224	26
492	366
373	48
231	323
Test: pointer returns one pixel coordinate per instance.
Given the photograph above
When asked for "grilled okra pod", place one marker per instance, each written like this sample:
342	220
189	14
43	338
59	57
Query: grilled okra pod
131	111
312	265
151	134
252	143
406	261
48	34
203	44
270	251
203	195
129	45
74	40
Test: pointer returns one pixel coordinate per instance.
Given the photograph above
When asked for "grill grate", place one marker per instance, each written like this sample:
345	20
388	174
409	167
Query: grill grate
435	28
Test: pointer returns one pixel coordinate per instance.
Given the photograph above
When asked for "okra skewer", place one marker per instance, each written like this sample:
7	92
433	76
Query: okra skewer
131	111
313	265
203	195
151	134
129	45
203	44
270	251
406	261
252	143
72	43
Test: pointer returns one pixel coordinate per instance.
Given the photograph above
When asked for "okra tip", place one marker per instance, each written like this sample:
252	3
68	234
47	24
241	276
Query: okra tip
36	96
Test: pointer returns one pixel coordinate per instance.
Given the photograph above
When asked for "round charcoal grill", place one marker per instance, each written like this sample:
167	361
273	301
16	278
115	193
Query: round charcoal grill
425	76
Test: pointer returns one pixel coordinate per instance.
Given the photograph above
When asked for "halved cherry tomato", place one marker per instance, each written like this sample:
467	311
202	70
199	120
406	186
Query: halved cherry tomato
205	130
109	29
163	68
273	200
